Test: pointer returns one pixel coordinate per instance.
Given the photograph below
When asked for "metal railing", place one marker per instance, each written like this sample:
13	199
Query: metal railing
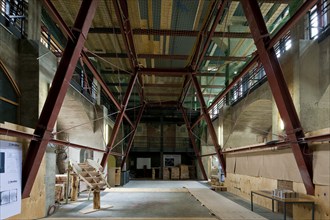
81	80
251	81
13	15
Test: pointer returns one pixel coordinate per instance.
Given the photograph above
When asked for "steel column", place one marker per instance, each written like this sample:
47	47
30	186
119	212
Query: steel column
280	92
130	141
209	122
193	142
119	119
56	95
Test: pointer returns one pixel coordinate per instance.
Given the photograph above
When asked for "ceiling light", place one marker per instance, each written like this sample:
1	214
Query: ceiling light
212	68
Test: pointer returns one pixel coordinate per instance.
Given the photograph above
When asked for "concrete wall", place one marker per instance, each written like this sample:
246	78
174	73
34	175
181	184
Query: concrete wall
306	69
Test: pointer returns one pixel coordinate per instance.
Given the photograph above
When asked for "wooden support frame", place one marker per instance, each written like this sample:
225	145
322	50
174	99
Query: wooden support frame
56	95
280	92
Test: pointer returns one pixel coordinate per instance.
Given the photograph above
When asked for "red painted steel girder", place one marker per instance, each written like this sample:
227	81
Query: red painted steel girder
209	122
164	72
164	56
56	95
119	119
280	92
221	9
103	85
279	144
245	149
282	32
246	69
57	17
193	142
198	56
126	31
21	134
130	141
168	32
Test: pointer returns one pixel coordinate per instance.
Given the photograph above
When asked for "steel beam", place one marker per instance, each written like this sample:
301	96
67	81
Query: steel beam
305	7
279	145
193	142
119	119
130	141
164	72
104	86
245	70
121	10
210	35
164	56
167	32
280	92
197	56
56	95
209	122
21	134
57	17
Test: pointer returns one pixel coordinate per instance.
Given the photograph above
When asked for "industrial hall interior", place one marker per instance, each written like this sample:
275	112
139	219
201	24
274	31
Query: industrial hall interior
165	109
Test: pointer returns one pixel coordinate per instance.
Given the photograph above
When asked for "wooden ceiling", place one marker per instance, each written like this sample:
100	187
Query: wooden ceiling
165	34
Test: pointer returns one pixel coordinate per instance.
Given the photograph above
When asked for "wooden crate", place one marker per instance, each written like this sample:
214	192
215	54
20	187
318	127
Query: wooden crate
184	172
166	174
59	192
218	188
175	173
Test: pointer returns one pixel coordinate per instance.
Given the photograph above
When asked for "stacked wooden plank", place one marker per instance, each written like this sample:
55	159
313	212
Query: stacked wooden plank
175	173
166	173
60	186
216	185
215	180
184	172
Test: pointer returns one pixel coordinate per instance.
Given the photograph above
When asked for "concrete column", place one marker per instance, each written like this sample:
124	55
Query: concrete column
34	20
28	72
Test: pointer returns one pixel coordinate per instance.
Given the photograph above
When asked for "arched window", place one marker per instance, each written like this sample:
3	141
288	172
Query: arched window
9	95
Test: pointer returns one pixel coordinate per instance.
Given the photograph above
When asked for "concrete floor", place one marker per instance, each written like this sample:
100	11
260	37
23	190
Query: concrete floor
151	200
142	200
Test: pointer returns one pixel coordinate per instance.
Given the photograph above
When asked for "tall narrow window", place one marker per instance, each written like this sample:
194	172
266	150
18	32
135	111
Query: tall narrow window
9	94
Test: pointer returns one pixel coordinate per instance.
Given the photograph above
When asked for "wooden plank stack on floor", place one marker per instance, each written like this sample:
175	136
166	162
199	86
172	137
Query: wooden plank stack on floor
166	173
175	173
184	172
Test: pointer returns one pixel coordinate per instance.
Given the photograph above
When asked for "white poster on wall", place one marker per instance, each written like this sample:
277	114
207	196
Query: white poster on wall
10	178
171	160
